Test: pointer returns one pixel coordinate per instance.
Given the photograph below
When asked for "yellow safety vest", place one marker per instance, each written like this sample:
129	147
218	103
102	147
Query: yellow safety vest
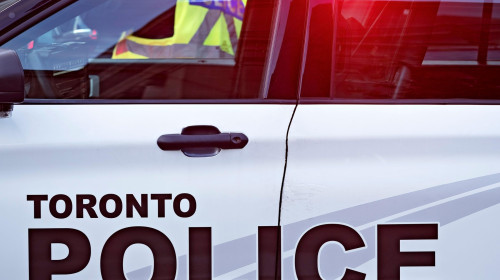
203	29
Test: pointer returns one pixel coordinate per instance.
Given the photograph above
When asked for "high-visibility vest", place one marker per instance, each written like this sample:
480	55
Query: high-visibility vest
203	29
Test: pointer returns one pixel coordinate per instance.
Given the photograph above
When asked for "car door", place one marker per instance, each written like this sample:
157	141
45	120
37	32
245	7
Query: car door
393	168
152	168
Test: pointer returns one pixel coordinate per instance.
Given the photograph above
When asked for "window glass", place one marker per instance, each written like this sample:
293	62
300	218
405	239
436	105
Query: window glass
370	49
148	49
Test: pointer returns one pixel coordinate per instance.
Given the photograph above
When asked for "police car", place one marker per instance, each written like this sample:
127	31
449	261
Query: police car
249	139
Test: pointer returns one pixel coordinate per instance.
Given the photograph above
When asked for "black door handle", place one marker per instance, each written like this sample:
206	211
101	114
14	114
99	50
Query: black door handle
173	142
202	141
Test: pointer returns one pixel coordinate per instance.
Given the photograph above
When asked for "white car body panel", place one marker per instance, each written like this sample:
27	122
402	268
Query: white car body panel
111	149
365	165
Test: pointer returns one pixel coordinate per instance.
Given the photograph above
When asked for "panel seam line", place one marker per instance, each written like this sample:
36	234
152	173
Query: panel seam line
278	253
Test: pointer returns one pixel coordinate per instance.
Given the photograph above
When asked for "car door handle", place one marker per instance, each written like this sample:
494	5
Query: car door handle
173	142
202	141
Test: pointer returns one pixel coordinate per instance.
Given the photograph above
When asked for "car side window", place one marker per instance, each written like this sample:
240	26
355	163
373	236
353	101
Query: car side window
367	49
149	49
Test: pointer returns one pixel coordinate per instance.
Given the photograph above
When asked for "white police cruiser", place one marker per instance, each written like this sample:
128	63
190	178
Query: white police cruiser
339	139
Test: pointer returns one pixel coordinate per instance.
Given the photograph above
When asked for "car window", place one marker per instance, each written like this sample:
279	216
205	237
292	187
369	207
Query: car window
149	49
370	49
